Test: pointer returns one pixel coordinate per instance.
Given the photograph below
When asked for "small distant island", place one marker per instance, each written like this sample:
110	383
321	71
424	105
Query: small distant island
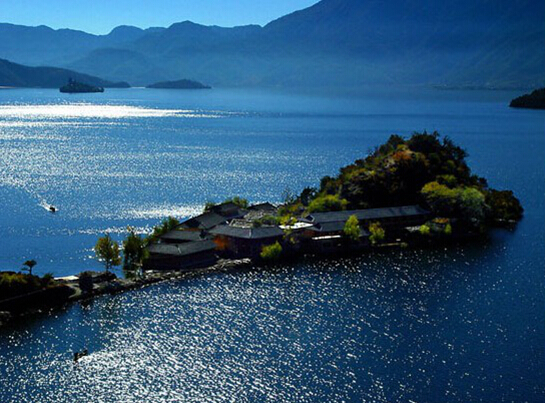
180	85
535	100
75	87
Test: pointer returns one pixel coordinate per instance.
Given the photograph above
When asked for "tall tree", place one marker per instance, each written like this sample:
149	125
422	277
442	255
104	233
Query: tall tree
107	251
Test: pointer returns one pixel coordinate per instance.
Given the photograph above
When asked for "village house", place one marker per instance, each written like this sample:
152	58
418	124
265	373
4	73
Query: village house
245	241
189	255
391	218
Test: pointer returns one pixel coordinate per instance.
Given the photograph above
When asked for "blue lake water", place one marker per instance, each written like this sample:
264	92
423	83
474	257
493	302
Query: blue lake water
462	324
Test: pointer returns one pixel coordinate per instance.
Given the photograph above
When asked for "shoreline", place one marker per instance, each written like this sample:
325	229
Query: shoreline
115	286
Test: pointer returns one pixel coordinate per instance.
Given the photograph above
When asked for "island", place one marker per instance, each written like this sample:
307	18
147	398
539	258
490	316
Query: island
180	85
535	100
409	192
75	87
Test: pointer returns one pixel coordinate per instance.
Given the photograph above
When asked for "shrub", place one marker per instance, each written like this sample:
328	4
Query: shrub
352	228
424	230
327	203
377	233
504	205
271	252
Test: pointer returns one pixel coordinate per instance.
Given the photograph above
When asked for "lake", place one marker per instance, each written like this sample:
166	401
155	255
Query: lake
459	324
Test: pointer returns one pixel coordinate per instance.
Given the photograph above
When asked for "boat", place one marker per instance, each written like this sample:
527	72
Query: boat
80	354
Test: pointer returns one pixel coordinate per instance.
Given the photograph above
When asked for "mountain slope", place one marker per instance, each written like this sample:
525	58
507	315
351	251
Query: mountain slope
335	43
16	75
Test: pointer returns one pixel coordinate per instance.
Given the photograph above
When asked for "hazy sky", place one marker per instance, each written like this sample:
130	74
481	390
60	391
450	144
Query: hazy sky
100	16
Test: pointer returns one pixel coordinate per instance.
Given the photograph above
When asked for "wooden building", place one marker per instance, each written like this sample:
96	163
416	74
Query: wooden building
245	241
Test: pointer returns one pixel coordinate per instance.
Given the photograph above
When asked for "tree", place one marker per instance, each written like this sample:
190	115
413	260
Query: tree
107	251
327	203
271	252
377	233
133	250
167	225
352	228
238	201
425	230
29	265
504	205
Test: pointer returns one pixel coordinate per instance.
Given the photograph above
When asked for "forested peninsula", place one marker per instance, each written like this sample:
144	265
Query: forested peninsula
408	192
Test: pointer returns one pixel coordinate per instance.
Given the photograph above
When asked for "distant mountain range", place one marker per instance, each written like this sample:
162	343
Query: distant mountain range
335	43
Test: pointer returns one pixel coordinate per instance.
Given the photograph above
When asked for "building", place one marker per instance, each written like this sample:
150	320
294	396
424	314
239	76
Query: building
203	222
189	255
179	236
245	241
393	218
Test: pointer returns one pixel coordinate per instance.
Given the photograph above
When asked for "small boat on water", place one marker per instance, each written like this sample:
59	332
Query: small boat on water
80	354
52	209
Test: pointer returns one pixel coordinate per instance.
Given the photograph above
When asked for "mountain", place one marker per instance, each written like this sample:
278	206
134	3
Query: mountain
45	46
17	75
334	43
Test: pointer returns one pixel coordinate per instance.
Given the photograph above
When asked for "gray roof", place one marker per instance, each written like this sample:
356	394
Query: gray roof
264	207
184	249
204	221
368	214
248	233
228	210
184	236
335	226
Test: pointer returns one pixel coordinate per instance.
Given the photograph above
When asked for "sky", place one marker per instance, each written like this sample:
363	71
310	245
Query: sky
101	16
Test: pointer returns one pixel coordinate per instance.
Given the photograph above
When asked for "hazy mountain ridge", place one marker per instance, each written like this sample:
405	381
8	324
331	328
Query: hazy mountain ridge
17	75
347	43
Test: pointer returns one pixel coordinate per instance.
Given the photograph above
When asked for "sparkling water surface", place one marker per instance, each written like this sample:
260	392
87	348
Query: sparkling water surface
460	324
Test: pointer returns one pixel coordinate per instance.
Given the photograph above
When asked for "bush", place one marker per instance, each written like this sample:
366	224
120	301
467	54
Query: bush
352	228
271	252
424	230
238	201
504	206
15	284
327	203
86	281
377	233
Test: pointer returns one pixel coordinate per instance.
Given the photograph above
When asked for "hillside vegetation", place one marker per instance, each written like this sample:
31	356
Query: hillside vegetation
424	169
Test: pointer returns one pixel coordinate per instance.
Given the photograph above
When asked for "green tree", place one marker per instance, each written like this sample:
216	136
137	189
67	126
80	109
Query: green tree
134	251
239	202
425	230
504	205
107	251
167	225
271	252
327	203
377	233
352	228
29	265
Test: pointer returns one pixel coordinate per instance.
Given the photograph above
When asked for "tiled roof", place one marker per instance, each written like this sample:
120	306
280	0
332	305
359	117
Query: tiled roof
204	221
335	226
186	236
248	233
184	249
368	214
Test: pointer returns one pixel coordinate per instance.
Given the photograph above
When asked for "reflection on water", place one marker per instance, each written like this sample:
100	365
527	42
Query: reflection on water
94	111
410	325
457	325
